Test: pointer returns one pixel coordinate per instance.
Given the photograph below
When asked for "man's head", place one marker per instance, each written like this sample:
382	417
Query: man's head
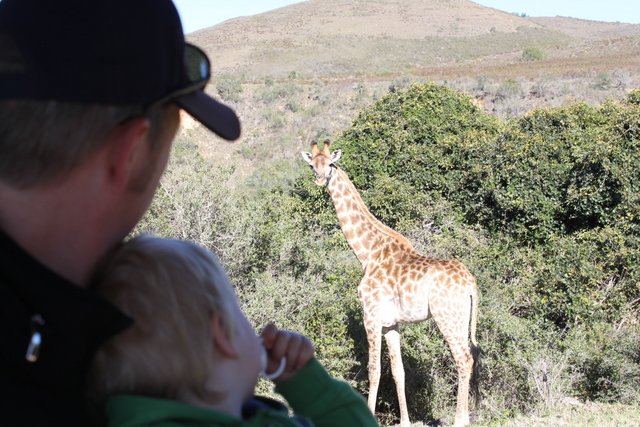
176	291
71	70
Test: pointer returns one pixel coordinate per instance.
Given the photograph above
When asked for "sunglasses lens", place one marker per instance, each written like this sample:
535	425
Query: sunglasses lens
197	63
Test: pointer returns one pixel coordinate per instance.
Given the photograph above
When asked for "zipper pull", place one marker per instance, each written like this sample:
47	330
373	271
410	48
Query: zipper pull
33	351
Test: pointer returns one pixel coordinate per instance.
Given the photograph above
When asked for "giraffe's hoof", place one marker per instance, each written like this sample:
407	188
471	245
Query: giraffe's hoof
462	422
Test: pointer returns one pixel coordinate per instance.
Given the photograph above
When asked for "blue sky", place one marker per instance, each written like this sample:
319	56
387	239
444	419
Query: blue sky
197	14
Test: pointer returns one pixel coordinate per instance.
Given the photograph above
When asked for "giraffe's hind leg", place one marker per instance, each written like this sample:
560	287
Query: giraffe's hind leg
454	326
392	337
464	363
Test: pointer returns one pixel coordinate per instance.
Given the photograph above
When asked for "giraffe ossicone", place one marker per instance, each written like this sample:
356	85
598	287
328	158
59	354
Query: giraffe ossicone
401	285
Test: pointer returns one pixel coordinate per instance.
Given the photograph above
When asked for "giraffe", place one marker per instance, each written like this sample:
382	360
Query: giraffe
400	285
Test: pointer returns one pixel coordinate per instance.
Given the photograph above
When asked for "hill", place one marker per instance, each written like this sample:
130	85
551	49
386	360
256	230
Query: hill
342	37
305	70
588	30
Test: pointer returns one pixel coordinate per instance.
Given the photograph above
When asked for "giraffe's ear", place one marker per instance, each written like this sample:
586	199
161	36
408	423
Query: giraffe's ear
307	157
335	156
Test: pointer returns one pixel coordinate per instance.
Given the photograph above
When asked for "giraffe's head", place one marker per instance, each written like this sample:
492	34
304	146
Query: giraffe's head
322	162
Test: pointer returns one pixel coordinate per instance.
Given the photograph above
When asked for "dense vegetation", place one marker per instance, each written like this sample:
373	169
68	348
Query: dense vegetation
544	209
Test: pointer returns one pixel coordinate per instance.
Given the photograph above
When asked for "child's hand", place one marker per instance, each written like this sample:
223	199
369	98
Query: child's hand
280	343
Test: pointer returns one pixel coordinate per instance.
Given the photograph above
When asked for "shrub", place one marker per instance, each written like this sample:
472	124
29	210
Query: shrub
191	201
229	87
602	81
508	89
279	91
634	97
558	171
540	88
481	85
605	362
423	137
274	118
399	83
532	54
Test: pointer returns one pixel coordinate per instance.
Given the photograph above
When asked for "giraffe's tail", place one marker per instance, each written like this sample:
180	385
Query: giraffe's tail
476	351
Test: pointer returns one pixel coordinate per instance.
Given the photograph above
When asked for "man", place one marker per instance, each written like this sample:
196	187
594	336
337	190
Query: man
90	93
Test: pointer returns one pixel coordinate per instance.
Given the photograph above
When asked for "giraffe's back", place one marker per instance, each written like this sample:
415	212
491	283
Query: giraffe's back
409	286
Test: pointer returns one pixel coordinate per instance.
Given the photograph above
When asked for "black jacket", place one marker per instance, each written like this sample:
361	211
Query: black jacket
70	323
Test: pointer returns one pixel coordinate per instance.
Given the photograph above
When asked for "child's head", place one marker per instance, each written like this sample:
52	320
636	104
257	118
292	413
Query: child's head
172	289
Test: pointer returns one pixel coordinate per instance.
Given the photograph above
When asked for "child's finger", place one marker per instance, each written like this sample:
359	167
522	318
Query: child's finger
303	353
306	352
269	334
279	345
293	351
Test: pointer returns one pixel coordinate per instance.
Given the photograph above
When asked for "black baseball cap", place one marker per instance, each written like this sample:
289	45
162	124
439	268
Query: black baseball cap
112	52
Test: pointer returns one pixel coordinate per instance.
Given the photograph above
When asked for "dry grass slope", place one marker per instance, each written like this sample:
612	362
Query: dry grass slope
342	37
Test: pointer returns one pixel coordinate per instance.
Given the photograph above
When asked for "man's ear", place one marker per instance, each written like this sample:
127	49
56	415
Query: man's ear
221	339
125	145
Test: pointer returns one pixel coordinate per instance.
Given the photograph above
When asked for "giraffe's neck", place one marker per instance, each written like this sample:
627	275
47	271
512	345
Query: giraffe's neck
363	231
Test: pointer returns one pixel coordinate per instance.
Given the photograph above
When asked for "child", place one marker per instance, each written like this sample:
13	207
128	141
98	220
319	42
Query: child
192	357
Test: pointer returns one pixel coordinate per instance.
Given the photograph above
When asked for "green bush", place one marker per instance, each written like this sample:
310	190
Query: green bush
508	89
425	137
605	362
279	91
191	201
229	87
634	97
602	81
532	54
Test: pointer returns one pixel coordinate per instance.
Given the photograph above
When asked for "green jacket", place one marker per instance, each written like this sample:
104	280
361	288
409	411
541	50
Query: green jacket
316	398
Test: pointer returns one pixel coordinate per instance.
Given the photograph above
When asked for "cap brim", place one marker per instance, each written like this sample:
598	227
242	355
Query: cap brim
214	115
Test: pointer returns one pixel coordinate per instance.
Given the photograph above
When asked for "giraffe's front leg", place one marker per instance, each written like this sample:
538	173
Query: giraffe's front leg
374	338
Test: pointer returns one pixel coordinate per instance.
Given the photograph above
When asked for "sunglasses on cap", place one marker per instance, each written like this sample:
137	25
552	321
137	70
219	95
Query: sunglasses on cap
216	116
198	72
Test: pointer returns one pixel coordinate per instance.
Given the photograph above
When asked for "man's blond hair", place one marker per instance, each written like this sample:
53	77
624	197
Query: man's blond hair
170	288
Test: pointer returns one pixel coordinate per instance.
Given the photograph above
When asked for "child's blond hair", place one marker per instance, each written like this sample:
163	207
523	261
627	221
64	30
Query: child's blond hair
170	288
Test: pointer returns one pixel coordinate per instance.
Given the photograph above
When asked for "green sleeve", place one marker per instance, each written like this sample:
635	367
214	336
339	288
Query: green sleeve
327	401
